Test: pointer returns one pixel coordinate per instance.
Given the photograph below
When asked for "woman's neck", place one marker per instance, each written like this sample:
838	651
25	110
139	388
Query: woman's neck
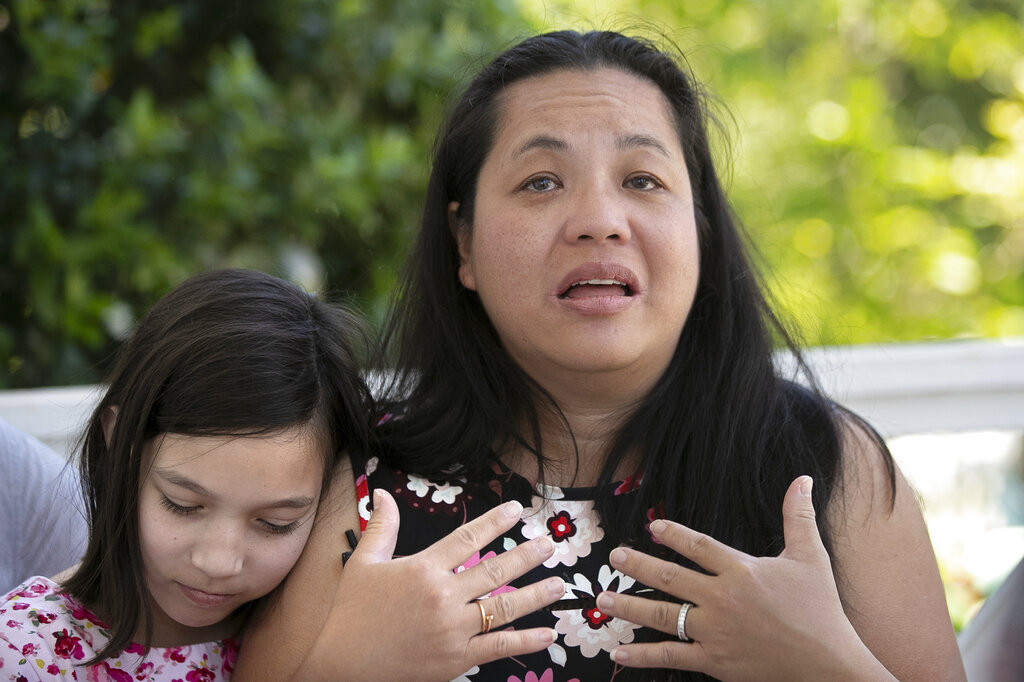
574	443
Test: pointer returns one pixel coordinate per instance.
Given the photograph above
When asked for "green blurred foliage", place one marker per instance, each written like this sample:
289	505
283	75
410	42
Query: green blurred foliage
877	152
143	141
877	156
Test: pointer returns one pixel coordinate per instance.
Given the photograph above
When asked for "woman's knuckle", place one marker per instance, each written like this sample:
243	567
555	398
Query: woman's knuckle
467	536
503	609
665	613
667	574
698	543
495	570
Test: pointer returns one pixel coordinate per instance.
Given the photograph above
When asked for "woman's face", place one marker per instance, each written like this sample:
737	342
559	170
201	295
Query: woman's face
583	243
221	522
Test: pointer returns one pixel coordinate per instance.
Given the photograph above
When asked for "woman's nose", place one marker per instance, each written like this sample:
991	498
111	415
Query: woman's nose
596	215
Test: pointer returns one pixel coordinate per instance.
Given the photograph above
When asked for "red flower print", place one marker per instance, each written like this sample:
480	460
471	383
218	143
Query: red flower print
13	624
629	484
28	650
653	514
45	618
67	646
102	672
144	671
79	612
136	648
20	606
230	654
176	655
200	675
53	669
20	678
561	526
595	617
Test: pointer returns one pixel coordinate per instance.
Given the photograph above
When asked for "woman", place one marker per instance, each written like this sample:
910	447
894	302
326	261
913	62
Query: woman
580	331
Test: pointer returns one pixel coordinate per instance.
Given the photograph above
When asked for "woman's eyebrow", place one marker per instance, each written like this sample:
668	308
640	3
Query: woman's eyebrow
635	141
640	140
542	142
299	502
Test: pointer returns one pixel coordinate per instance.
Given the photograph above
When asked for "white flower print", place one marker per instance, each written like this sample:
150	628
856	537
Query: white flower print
446	493
442	493
418	485
589	629
571	524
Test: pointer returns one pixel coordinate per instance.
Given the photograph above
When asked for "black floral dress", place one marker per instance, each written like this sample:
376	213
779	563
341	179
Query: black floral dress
431	509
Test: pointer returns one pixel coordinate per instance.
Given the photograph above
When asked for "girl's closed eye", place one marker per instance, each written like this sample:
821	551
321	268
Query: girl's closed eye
174	507
280	529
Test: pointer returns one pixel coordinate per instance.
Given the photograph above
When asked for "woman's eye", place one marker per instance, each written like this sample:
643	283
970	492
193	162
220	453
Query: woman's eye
176	508
540	183
642	182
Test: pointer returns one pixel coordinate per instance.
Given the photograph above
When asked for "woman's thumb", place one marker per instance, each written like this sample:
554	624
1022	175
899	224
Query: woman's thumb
378	541
798	520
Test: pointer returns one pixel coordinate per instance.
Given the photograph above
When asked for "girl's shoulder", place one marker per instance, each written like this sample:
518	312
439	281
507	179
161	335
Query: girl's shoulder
46	634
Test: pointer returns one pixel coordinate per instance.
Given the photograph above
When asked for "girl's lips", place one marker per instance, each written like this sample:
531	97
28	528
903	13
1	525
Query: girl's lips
205	599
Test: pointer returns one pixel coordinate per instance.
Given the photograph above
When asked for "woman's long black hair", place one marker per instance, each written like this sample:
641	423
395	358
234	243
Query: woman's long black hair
226	353
721	434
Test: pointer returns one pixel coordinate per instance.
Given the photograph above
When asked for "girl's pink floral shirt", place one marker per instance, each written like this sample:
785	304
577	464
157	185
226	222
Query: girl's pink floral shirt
48	635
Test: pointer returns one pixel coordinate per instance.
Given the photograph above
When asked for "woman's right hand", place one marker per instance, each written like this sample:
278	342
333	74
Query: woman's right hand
415	618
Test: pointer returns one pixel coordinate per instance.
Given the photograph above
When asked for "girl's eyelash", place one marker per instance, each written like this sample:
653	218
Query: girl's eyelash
280	530
176	508
172	506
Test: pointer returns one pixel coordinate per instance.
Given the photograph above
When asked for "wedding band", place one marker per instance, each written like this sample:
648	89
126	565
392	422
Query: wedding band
684	609
485	618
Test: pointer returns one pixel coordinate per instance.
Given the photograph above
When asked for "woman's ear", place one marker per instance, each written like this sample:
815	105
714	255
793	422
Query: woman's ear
108	418
464	237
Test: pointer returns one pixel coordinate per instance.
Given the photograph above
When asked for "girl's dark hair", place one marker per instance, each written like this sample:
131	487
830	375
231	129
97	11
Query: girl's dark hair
226	353
721	435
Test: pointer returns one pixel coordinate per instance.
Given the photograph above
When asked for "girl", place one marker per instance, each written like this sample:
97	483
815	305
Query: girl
202	469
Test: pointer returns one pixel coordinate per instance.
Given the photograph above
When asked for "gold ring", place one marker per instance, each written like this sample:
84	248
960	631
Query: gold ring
485	618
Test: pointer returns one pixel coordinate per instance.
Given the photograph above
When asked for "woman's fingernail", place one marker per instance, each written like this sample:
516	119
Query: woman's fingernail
605	600
556	587
544	546
512	509
805	486
617	557
548	635
378	496
657	526
619	656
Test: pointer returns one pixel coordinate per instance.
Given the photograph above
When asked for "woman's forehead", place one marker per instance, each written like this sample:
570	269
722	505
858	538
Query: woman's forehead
573	101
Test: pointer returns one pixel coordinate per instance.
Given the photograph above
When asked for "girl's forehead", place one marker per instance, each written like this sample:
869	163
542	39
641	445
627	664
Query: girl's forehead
230	465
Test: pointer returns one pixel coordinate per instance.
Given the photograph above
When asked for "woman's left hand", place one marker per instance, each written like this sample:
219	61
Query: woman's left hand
752	618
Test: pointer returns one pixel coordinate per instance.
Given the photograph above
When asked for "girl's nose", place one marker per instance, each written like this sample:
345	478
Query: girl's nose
219	553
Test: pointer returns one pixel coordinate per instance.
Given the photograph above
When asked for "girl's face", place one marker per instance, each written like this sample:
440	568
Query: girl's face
583	244
221	521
